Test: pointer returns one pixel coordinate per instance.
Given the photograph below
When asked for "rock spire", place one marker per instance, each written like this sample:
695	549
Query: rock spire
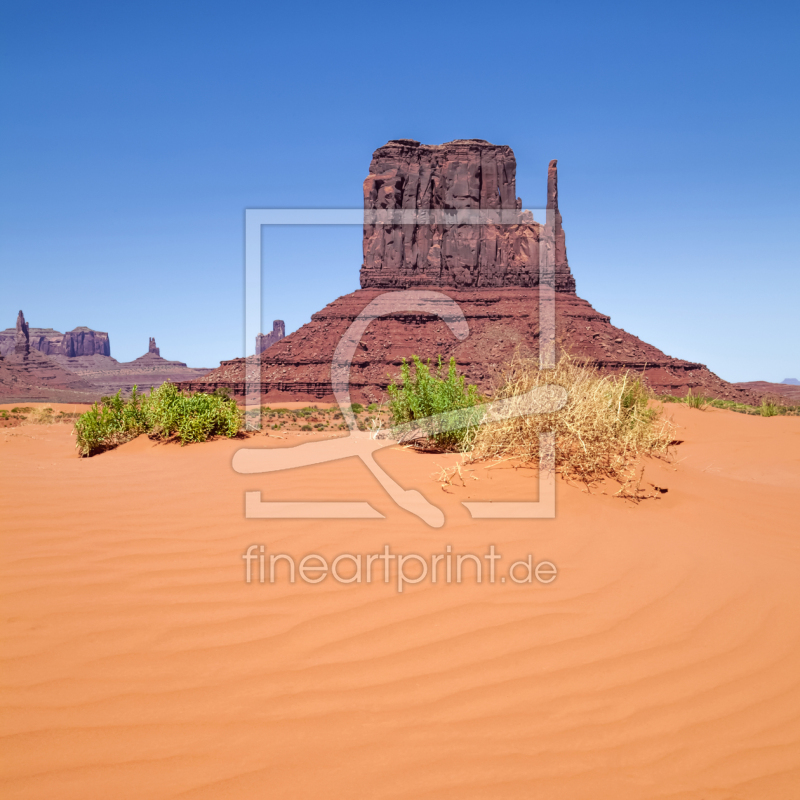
22	344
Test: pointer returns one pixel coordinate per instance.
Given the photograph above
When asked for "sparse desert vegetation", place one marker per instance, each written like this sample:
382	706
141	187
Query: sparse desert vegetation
608	423
22	415
768	408
165	413
314	418
606	426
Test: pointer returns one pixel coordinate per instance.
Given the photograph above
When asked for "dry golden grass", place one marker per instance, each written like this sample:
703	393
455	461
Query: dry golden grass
602	431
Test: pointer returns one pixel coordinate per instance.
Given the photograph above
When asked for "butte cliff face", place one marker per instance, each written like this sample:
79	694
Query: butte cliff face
465	174
490	270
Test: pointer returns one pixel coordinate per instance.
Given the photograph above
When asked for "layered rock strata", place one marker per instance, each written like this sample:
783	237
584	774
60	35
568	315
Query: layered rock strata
500	321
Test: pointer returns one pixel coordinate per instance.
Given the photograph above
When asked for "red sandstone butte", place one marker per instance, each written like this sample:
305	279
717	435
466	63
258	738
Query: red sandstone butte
491	271
465	174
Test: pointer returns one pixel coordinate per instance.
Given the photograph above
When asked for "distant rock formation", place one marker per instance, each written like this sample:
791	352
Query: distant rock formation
147	372
791	381
85	342
29	374
491	271
22	343
780	392
81	341
265	340
40	364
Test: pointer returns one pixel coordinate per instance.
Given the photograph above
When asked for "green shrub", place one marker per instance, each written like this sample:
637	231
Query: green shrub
425	394
357	408
110	423
164	414
192	418
695	400
768	409
22	410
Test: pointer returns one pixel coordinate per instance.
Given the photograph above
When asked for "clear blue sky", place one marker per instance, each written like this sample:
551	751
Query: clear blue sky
134	135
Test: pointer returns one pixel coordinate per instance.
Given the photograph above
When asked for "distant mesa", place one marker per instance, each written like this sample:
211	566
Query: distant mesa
78	342
491	271
265	340
41	364
791	381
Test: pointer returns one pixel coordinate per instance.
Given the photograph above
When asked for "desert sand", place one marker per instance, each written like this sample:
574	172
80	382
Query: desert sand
663	662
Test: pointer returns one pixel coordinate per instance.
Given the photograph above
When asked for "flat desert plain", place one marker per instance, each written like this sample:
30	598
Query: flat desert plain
662	662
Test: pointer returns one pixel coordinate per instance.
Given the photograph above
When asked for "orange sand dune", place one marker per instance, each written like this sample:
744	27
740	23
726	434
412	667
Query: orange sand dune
663	662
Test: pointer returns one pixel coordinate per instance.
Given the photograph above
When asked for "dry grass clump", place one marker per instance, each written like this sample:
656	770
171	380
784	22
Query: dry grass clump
602	430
